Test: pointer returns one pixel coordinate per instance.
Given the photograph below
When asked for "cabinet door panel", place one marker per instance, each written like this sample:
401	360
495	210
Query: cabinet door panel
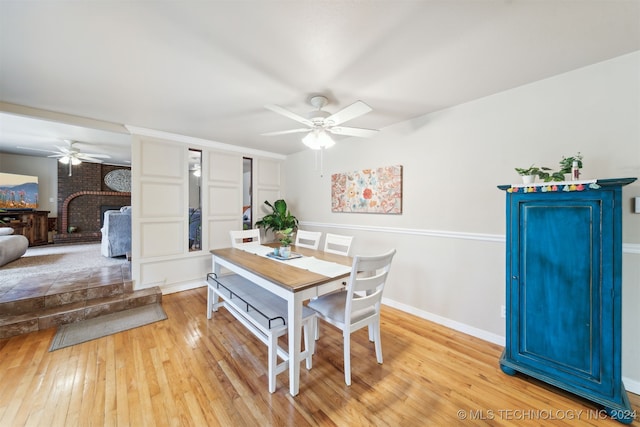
559	301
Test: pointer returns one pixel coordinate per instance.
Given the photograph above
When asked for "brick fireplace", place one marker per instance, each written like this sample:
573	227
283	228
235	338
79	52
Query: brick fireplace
82	198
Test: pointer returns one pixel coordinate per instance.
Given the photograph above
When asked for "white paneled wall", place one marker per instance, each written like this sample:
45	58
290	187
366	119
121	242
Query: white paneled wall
159	217
160	201
267	185
224	188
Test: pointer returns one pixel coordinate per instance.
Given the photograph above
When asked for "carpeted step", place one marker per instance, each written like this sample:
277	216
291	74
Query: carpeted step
12	323
36	295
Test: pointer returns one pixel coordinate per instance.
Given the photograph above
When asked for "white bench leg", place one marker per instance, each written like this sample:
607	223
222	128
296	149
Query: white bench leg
212	301
273	361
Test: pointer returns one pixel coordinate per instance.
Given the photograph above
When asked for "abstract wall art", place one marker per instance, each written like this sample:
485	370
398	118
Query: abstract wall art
376	190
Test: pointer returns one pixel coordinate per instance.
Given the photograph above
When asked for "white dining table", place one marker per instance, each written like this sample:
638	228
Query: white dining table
296	280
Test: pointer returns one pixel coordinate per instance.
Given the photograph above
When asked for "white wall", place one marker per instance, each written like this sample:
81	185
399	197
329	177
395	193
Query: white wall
44	168
450	236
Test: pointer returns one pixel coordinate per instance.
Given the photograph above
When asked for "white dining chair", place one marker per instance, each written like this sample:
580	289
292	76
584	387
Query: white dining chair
334	244
338	244
359	305
308	239
238	237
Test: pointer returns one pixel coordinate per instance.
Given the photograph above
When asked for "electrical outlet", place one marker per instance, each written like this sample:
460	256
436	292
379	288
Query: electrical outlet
503	311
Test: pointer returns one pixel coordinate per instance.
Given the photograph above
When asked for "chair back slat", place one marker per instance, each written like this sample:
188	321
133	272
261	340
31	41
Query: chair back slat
338	244
308	239
238	237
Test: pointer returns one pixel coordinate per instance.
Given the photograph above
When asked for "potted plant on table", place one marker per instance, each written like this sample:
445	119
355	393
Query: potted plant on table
280	219
285	242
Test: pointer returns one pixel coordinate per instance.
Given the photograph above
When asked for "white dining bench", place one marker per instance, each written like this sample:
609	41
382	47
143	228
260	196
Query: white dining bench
263	313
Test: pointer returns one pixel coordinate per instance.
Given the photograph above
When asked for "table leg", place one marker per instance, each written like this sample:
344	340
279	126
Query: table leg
295	332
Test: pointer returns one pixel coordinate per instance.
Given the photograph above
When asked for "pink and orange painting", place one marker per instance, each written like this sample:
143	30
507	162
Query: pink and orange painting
377	190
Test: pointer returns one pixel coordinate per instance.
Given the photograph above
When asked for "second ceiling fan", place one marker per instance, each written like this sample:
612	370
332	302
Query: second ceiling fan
319	122
72	156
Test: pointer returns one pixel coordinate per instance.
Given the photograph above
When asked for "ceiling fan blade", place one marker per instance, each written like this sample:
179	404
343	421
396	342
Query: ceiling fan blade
352	111
283	111
343	130
66	150
59	155
37	149
87	158
99	156
284	132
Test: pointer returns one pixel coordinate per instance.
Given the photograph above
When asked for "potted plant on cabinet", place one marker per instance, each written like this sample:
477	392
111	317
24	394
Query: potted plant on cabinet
568	166
280	219
571	165
529	174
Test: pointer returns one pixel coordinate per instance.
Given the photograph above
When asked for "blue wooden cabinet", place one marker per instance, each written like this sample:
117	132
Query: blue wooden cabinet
563	288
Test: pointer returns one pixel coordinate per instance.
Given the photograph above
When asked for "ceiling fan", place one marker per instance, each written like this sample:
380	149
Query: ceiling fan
71	155
320	123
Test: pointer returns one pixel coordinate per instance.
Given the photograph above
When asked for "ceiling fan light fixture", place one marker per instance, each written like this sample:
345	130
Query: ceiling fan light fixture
70	159
318	139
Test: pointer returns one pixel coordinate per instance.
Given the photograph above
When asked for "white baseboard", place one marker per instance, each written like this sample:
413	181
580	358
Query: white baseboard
182	286
631	386
458	326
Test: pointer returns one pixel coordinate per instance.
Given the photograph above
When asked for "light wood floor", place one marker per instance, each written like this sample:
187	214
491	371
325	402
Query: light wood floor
190	371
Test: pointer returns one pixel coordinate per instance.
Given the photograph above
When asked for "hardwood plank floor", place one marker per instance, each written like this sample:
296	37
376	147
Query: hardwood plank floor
191	371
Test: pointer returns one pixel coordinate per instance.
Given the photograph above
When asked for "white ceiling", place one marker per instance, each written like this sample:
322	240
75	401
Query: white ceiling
206	69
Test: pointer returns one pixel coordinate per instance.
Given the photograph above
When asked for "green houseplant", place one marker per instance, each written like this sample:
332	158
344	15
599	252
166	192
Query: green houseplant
565	168
546	174
286	237
279	219
567	162
529	174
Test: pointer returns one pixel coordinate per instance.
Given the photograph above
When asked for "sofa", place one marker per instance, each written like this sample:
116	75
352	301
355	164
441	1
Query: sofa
116	232
12	246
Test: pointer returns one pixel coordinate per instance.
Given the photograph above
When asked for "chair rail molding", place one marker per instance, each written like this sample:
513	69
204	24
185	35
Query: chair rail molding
411	231
631	248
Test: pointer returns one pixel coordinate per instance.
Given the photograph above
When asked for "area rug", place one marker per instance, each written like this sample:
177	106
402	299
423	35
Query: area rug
56	259
87	330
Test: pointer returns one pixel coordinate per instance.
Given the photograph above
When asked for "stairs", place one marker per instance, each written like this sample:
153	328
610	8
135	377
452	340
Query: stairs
43	302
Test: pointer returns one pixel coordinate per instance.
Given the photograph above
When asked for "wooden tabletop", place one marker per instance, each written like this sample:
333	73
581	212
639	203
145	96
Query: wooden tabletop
292	278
